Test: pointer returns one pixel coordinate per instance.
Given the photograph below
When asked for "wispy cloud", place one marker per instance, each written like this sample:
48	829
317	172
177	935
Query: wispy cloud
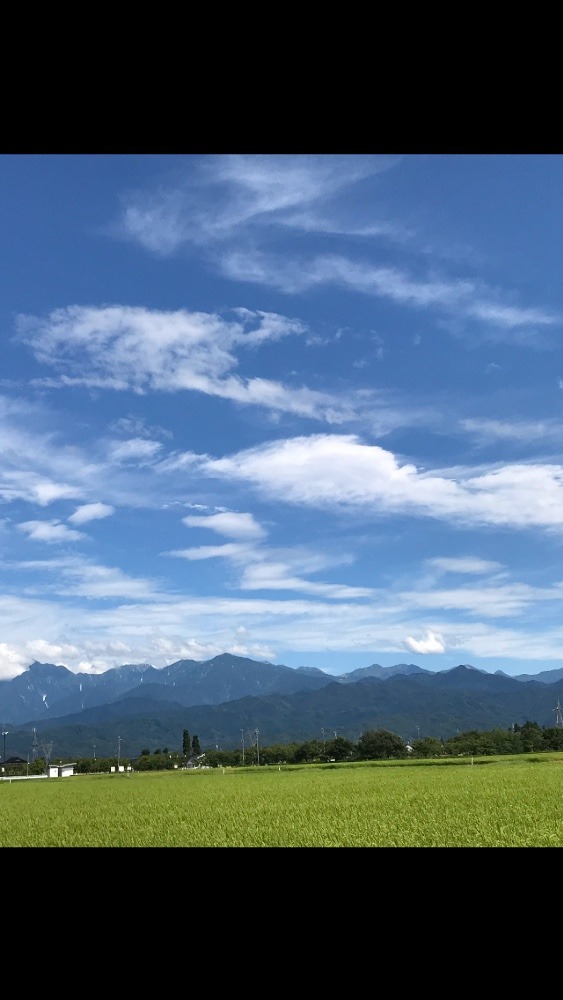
455	297
521	431
222	195
227	551
90	580
143	350
269	575
40	468
134	450
90	512
230	204
229	523
499	600
51	532
164	628
138	427
264	568
465	564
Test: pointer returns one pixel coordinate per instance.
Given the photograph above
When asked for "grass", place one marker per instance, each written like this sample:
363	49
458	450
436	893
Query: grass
507	803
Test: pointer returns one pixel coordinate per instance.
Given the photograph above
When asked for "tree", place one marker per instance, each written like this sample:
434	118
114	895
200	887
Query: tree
380	744
339	748
553	738
429	746
196	749
532	737
186	743
309	751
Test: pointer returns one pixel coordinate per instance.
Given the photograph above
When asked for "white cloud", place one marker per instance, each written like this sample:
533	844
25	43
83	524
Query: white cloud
90	512
147	349
431	644
13	661
339	471
49	652
119	347
465	564
230	523
51	532
164	630
25	484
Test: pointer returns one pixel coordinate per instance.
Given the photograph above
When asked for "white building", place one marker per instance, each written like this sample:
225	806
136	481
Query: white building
61	770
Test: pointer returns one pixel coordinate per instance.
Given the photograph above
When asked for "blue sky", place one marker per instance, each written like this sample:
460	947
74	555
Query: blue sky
300	408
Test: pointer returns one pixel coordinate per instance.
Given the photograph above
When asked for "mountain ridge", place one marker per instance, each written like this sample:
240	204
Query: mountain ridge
411	704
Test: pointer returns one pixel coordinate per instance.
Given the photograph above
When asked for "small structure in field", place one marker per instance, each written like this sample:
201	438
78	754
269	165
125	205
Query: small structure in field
61	770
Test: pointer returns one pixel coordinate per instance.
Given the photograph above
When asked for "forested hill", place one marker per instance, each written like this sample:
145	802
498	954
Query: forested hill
410	705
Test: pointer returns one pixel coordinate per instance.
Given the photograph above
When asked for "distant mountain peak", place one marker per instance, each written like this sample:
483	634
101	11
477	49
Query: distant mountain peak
466	666
229	658
47	668
381	673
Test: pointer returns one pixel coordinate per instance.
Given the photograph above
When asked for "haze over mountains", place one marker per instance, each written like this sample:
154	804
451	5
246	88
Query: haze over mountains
222	698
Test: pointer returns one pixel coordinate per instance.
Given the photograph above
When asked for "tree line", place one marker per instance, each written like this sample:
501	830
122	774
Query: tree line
374	744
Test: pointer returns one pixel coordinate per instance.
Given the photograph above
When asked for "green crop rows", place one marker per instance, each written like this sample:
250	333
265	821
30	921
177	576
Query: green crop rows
510	802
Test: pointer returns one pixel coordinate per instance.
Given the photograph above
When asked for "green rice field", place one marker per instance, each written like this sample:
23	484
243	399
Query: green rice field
491	802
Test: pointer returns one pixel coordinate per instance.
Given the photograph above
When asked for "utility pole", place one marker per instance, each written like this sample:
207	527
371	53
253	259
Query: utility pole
4	734
118	751
242	737
558	715
257	750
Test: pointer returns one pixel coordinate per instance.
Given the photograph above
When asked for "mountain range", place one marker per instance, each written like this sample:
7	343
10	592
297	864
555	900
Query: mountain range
229	698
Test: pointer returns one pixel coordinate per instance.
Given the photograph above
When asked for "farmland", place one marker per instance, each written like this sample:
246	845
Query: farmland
500	802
